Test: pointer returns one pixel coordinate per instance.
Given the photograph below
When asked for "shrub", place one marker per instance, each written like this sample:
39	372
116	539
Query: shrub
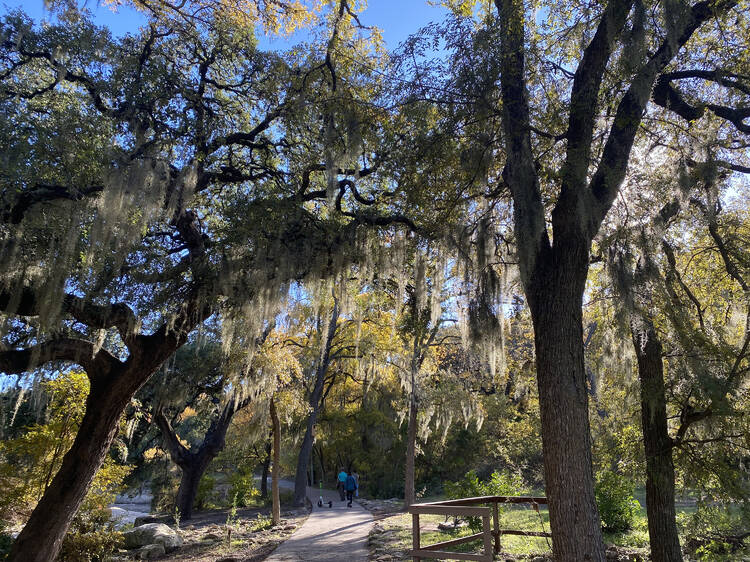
716	530
243	489
614	498
206	496
499	484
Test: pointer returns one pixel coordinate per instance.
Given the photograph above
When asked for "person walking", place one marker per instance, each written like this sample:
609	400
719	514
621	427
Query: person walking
351	487
341	483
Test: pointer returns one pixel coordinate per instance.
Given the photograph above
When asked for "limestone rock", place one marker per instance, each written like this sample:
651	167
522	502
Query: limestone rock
152	533
151	551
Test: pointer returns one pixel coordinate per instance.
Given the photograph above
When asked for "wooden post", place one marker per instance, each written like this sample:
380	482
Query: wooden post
415	534
487	537
496	521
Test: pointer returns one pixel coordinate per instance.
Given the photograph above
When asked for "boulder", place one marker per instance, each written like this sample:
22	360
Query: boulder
152	533
151	551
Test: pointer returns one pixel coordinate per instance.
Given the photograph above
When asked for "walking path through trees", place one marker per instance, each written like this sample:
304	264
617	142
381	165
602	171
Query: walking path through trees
334	534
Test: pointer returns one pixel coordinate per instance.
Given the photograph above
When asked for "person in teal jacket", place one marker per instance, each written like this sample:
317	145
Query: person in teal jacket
341	484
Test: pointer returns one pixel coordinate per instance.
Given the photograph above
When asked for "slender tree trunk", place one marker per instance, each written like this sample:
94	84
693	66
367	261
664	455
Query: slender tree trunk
300	478
264	472
42	536
275	502
411	448
555	297
660	486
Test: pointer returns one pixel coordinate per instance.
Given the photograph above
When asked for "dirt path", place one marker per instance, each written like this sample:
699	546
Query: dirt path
332	534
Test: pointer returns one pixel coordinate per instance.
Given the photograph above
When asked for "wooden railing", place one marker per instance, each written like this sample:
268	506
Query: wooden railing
463	508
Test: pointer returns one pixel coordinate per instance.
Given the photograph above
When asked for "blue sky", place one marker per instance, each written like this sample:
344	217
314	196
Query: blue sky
396	18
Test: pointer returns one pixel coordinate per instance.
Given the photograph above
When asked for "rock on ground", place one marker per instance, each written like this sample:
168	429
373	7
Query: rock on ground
151	551
152	533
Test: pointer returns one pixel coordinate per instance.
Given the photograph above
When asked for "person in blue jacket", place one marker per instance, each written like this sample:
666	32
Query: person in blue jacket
351	487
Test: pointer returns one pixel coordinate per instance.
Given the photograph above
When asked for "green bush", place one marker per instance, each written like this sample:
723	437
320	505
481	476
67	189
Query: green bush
206	496
715	530
614	498
499	484
243	489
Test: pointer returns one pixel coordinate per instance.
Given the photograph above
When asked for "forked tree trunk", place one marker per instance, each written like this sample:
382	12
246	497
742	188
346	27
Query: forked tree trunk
275	501
303	460
193	464
660	486
555	298
411	449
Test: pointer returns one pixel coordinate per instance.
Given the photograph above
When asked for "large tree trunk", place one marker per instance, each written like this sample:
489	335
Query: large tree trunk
275	501
660	486
555	298
42	536
188	490
411	448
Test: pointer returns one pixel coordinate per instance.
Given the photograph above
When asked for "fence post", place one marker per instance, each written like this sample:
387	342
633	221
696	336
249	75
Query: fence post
487	537
415	534
496	521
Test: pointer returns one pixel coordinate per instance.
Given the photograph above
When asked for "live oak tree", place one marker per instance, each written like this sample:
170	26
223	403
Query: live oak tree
149	182
216	392
573	93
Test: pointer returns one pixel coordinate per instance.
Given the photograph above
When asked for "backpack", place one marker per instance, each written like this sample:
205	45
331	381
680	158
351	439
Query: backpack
351	483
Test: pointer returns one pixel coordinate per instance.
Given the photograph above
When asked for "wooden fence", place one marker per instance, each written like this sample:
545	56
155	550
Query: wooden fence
467	507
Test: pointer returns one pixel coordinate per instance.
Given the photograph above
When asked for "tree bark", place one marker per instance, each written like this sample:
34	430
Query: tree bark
555	297
188	490
300	479
411	448
275	501
660	483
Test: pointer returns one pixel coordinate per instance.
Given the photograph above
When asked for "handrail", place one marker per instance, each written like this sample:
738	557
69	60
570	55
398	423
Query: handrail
460	507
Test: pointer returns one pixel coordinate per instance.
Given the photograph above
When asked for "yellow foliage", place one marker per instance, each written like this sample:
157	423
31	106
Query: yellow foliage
279	17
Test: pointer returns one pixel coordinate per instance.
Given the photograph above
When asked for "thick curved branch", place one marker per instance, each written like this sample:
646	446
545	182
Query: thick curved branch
668	97
179	454
27	302
81	352
14	211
